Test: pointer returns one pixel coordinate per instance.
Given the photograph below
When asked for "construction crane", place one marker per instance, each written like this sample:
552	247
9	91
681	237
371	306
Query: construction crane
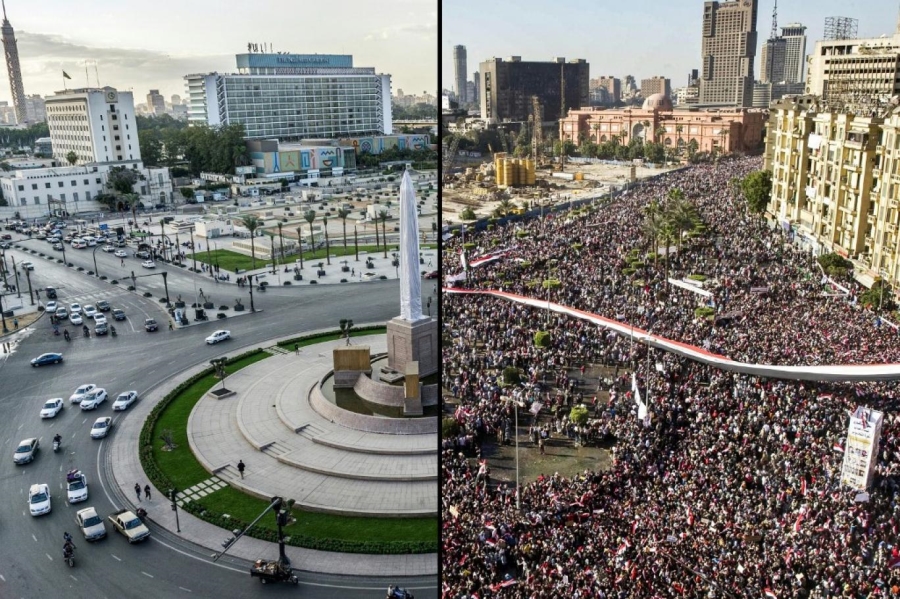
450	156
537	131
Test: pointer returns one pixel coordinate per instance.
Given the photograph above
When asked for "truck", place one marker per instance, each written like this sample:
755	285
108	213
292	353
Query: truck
126	522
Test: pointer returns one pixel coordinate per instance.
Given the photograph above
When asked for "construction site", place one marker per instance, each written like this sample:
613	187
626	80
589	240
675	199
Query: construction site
499	183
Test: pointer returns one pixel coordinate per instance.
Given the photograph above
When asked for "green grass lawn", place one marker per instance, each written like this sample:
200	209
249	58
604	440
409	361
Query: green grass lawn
232	261
180	465
237	505
185	471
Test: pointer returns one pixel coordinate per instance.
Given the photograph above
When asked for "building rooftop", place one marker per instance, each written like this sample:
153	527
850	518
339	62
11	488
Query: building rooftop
658	102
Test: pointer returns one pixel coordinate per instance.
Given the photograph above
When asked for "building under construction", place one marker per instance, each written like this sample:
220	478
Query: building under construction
513	172
855	74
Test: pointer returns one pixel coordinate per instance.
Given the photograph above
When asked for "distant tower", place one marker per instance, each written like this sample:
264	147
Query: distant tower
11	50
459	65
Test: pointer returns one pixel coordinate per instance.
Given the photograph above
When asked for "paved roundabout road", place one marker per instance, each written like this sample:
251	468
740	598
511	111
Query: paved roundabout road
31	555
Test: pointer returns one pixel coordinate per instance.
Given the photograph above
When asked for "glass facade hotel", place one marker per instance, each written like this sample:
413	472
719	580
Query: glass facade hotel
293	97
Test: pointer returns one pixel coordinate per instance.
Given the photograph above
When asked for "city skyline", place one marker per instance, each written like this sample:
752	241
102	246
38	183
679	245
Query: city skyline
141	49
623	40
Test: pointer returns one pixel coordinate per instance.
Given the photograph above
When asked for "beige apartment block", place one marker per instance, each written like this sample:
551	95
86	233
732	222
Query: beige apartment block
836	182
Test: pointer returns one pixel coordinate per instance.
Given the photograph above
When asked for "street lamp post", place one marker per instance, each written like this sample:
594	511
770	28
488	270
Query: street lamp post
172	494
94	255
166	286
16	273
2	315
194	250
28	278
250	285
355	243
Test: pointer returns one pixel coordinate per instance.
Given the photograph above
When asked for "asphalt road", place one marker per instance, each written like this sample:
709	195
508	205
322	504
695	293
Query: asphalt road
31	553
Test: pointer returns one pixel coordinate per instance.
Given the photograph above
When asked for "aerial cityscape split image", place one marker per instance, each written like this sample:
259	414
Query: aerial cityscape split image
219	301
670	326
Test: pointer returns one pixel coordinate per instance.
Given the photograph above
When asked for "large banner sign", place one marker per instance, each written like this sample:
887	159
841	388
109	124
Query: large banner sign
861	451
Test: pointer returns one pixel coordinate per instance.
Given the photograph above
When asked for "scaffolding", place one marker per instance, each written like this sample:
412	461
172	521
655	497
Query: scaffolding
841	28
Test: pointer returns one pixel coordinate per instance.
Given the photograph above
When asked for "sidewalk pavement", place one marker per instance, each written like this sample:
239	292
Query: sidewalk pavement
123	454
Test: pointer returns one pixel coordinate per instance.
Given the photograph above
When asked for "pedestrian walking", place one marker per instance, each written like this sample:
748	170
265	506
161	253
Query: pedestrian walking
541	445
147	492
241	467
137	490
296	349
16	323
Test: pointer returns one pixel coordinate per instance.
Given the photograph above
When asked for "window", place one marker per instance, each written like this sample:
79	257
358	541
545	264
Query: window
119	148
117	138
87	182
98	180
47	185
21	188
87	196
75	196
104	138
62	196
25	201
60	183
74	182
34	186
37	199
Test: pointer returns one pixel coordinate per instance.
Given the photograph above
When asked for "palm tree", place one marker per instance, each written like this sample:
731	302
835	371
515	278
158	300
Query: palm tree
281	240
72	157
309	216
660	133
252	222
653	226
678	130
343	214
300	246
683	217
325	228
504	208
383	216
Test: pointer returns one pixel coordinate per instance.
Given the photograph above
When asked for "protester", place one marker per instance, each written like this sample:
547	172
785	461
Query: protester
732	487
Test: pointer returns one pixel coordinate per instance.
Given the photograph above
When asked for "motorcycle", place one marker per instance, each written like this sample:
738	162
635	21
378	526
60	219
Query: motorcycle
87	332
261	288
69	556
112	331
56	445
67	336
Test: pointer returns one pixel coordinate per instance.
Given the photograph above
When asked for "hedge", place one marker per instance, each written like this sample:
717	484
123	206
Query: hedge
542	339
696	277
704	312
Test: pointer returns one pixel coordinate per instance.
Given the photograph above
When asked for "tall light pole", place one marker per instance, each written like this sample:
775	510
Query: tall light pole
94	255
194	250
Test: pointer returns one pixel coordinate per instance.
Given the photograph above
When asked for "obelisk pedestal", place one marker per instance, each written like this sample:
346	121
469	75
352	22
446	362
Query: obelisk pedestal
413	342
412	400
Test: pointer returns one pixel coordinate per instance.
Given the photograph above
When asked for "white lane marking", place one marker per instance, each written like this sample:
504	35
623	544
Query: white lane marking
184	589
83	421
34	537
3	578
48	557
76	580
116	558
145	574
20	426
100	478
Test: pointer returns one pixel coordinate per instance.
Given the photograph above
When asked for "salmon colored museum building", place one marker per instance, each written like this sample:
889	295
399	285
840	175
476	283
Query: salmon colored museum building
723	129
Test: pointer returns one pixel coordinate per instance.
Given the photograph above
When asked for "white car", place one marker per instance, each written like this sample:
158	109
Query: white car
51	307
81	391
148	264
75	308
91	241
52	407
101	427
77	489
90	311
39	499
108	248
76	319
218	336
125	399
120	254
91	525
27	265
99	318
93	399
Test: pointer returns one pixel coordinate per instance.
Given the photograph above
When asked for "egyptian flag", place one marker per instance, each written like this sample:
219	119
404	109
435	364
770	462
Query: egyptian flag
797	523
894	563
504	584
462	259
837	447
770	593
803	486
690	517
624	546
678	587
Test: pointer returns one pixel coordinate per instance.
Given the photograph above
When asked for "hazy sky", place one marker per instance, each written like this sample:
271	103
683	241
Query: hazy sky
638	37
141	44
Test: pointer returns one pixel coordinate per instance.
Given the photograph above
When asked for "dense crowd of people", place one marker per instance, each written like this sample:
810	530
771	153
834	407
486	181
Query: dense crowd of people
731	488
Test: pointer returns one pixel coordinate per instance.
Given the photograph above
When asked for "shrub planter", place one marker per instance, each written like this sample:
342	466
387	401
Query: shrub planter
90	272
80	269
114	282
223	307
343	280
696	277
148	294
313	282
70	265
238	308
704	312
131	288
208	305
287	282
103	277
221	315
298	277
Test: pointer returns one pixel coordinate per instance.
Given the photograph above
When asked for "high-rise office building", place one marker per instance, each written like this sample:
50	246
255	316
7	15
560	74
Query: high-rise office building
656	85
476	79
156	103
728	52
459	73
176	100
784	57
612	87
11	50
507	87
35	110
294	96
97	124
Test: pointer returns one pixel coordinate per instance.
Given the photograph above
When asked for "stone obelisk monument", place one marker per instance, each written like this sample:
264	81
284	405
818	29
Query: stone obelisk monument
411	337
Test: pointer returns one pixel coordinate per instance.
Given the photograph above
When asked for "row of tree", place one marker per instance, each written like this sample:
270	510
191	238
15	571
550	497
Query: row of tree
198	149
668	221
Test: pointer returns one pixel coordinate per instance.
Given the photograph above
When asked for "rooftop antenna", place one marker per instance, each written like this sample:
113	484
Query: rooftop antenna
4	10
774	33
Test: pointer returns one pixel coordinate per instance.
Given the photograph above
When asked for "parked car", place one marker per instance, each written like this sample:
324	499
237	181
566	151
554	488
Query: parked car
62	313
101	329
125	399
25	451
52	407
101	427
91	525
45	359
39	499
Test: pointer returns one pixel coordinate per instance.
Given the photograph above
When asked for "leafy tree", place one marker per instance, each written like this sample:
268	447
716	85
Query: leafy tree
327	247
878	293
511	376
252	222
72	157
560	147
187	192
542	339
151	147
418	111
834	264
122	179
579	414
467	214
757	189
